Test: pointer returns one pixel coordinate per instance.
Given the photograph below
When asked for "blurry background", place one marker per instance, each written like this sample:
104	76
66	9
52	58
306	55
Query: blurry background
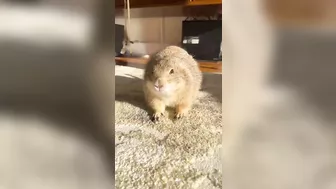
158	24
151	26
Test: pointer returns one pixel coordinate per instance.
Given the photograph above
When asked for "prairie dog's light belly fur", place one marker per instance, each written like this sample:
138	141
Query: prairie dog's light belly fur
169	100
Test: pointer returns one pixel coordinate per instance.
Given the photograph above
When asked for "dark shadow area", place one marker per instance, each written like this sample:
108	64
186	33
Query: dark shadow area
212	84
306	61
52	83
129	90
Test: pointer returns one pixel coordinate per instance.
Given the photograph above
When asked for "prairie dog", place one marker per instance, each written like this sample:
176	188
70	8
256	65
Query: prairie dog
172	78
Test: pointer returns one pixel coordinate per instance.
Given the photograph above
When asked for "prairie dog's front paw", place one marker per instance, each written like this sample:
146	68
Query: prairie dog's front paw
158	108
156	117
179	115
181	111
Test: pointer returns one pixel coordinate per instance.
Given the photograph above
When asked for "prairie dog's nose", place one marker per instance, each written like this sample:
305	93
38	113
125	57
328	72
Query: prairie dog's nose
158	83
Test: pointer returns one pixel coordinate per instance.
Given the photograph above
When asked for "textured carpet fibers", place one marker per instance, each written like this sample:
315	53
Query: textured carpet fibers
169	154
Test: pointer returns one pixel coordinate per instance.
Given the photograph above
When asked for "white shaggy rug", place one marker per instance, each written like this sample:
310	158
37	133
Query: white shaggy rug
170	154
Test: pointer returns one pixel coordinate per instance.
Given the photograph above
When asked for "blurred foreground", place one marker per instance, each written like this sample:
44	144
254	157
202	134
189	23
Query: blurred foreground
279	95
56	94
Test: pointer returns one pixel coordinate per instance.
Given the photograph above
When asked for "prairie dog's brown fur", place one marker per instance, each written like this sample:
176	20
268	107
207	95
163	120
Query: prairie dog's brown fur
172	78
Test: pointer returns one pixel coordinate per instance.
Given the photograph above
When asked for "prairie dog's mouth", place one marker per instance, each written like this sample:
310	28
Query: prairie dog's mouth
162	89
157	88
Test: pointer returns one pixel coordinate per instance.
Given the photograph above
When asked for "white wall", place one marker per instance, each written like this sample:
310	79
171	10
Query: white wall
155	28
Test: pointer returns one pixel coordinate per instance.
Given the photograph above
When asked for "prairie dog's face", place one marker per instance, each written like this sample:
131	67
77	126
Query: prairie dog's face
166	80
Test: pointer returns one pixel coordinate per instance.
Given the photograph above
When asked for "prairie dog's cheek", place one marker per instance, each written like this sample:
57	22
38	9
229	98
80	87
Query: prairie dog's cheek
179	83
168	87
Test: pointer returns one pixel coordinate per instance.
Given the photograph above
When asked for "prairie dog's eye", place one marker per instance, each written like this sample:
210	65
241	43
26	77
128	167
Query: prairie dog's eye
171	71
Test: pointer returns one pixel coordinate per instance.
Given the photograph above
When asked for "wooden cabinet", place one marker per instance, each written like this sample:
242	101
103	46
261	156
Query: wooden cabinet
203	2
156	3
149	3
119	3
